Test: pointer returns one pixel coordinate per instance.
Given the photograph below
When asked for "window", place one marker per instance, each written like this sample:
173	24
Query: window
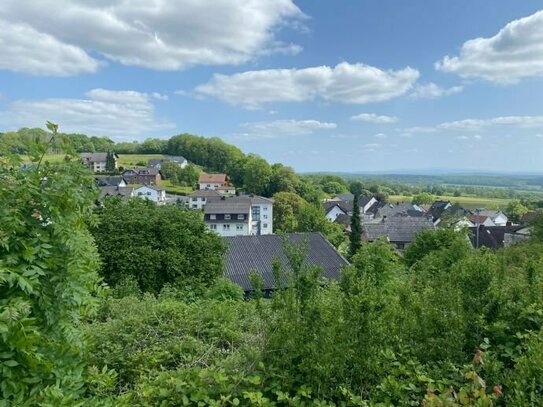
194	206
256	212
241	217
213	227
208	186
264	216
226	227
213	217
265	225
193	199
265	208
226	216
239	227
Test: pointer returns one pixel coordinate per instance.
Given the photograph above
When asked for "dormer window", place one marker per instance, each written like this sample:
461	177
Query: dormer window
241	217
226	216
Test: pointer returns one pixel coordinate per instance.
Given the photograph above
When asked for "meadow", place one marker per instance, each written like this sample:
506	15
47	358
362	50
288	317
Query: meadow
468	202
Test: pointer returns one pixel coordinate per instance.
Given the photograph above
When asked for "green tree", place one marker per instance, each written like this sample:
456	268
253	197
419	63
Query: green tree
156	245
48	273
110	162
515	210
257	175
355	238
423	198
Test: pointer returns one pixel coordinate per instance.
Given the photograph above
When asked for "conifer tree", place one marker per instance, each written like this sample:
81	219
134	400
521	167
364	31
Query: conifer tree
355	239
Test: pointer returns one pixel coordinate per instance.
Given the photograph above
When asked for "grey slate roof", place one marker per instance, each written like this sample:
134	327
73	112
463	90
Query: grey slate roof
229	206
177	159
246	254
401	229
108	181
205	193
392	209
93	157
124	192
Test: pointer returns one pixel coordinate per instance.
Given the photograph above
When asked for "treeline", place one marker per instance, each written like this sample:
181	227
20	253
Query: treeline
21	141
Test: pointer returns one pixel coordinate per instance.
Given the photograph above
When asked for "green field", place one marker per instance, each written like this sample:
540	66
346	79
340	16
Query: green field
175	189
131	160
468	202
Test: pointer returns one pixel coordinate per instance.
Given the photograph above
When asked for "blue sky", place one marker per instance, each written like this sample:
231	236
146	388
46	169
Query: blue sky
321	86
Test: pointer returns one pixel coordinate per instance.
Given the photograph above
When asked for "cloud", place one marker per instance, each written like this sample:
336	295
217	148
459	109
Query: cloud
380	135
479	124
279	128
162	35
344	83
514	53
433	91
462	137
24	49
475	124
374	118
117	114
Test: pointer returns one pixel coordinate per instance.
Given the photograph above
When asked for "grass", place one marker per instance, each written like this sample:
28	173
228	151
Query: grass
131	160
468	202
174	189
53	158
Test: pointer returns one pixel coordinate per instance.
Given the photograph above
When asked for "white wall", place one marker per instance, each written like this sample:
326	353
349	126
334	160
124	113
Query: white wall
230	229
149	193
334	213
211	186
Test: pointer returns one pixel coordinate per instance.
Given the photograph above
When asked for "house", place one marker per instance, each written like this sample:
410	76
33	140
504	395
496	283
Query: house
399	230
145	176
97	162
157	163
399	208
497	217
437	209
213	181
122	192
110	181
481	220
248	254
229	217
335	207
494	237
150	192
198	199
238	216
226	190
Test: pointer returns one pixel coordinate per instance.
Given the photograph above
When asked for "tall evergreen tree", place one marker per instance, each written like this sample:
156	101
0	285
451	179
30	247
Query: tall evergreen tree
110	162
355	239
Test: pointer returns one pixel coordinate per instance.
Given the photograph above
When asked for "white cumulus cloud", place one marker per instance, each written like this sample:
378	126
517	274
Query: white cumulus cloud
116	114
344	83
433	91
374	118
514	53
279	128
55	37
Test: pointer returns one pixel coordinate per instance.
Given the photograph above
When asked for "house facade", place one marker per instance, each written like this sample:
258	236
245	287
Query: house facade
399	230
152	193
199	199
157	163
97	162
213	181
239	216
145	176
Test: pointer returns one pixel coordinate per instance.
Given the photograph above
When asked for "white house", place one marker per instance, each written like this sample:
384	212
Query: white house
198	199
497	217
240	216
157	163
213	181
150	192
333	211
97	161
226	190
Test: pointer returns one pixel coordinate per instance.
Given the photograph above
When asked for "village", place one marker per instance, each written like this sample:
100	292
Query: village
246	221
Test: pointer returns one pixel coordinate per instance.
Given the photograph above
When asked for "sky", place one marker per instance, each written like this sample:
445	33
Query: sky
349	85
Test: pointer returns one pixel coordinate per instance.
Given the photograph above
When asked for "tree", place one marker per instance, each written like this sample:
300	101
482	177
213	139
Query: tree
286	209
283	179
355	238
423	198
110	162
515	210
156	245
48	273
257	175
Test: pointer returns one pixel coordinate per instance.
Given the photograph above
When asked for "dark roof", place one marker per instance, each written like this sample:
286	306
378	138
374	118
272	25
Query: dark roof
108	181
343	219
393	209
207	193
246	254
437	209
124	192
229	206
397	228
141	171
344	197
177	159
93	157
489	236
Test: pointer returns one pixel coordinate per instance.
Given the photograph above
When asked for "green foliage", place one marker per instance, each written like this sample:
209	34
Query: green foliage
224	289
156	245
515	210
423	198
187	176
355	238
110	162
429	241
48	273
